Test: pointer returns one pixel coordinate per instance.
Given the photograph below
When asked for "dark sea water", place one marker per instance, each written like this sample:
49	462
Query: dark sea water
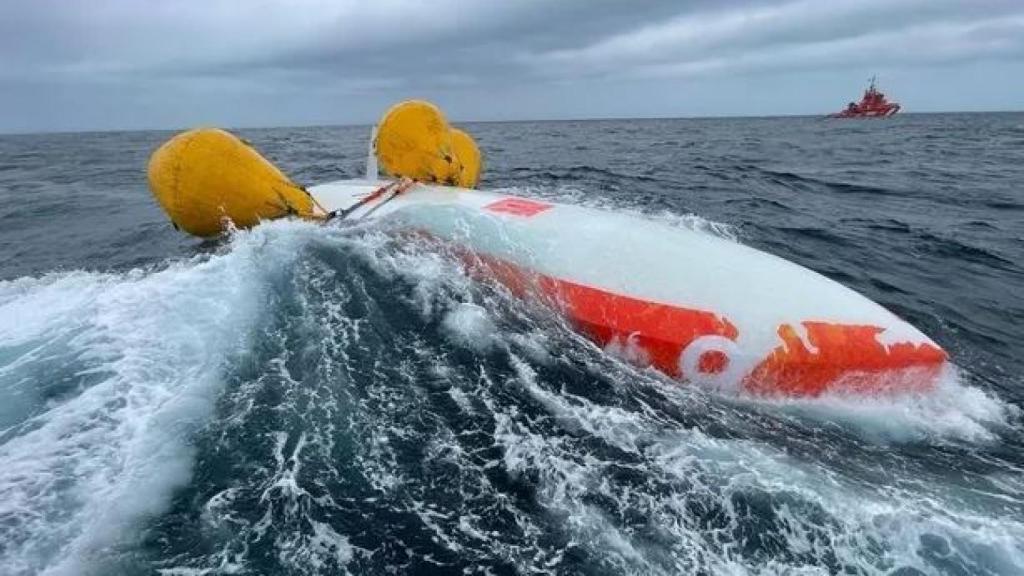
308	400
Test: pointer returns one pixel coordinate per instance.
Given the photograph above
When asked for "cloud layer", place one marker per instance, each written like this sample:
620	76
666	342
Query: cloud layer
124	63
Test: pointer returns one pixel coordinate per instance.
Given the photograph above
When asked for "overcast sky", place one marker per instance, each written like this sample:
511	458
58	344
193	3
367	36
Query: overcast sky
112	64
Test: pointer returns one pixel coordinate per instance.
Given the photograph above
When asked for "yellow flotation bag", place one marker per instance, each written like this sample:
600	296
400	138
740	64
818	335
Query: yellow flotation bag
415	141
470	161
206	177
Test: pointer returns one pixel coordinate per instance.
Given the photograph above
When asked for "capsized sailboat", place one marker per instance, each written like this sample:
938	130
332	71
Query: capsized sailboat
700	308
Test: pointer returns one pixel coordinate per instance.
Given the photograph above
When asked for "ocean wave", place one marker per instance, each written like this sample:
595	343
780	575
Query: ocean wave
432	421
142	354
347	399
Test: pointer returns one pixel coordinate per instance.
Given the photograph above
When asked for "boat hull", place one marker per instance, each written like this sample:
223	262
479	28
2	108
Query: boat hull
883	111
697	307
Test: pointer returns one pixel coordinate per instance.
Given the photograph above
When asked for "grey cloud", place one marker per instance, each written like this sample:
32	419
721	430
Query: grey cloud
801	32
125	63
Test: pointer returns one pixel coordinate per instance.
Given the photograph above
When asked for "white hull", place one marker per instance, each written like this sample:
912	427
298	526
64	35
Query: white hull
699	307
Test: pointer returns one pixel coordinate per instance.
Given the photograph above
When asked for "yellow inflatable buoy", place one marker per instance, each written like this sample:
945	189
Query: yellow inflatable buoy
469	158
206	177
414	141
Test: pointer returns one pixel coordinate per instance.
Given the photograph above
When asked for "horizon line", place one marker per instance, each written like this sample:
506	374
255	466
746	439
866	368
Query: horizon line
57	132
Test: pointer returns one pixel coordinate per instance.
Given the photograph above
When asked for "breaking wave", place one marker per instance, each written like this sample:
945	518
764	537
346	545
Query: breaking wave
306	400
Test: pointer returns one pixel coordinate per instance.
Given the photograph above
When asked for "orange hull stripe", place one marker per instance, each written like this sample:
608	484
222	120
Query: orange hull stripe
846	356
844	352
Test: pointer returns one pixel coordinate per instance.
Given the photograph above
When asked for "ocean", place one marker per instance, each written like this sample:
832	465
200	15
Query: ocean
299	399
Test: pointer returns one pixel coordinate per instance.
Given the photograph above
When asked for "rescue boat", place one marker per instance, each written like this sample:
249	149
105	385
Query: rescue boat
699	308
872	105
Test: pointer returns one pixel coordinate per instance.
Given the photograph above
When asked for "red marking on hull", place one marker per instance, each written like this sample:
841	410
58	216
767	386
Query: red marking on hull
663	331
518	207
847	358
713	362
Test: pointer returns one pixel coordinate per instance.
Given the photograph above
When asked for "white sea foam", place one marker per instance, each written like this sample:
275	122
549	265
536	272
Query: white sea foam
77	476
470	325
952	411
815	510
